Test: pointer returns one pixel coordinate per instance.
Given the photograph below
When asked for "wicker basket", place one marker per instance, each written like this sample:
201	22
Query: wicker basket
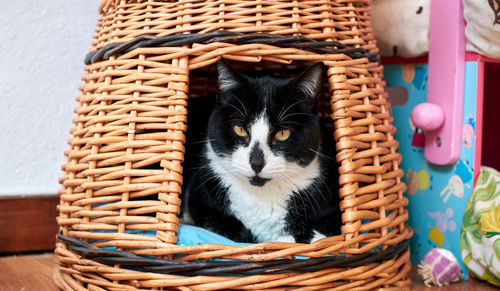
131	114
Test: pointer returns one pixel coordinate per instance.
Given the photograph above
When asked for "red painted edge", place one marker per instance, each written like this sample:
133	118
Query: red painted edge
479	120
469	57
401	60
475	57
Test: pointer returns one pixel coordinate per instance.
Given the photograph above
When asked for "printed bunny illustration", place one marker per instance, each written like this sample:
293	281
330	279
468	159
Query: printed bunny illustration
455	186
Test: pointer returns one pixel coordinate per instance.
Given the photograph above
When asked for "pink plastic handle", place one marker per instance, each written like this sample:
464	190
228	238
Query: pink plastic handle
446	81
427	116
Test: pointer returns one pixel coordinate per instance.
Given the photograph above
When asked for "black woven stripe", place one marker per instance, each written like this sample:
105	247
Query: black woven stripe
219	267
300	42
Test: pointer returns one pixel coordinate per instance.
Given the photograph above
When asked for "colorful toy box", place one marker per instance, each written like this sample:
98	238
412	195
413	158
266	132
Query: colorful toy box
437	194
443	140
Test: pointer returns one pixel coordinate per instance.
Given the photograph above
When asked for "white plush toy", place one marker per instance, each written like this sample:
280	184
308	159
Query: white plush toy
401	27
483	27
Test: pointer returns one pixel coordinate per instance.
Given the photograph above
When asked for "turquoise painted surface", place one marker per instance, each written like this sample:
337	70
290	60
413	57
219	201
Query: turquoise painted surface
437	194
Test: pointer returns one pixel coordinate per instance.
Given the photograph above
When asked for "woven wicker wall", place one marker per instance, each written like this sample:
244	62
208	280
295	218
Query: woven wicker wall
131	114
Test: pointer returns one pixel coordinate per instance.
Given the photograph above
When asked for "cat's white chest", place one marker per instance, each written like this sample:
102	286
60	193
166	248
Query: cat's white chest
263	214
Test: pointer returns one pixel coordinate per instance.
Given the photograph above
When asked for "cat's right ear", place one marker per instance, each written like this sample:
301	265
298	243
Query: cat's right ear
227	79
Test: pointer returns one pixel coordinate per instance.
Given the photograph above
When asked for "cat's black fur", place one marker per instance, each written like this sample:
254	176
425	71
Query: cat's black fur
314	208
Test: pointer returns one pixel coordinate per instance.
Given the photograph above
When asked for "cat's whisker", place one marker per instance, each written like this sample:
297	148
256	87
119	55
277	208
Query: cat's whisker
321	155
291	122
322	181
309	194
318	191
237	109
280	115
289	181
276	171
207	179
202	141
294	171
241	166
198	168
242	105
296	113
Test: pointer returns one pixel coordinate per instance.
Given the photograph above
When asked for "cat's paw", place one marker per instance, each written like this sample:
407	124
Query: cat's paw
286	238
317	236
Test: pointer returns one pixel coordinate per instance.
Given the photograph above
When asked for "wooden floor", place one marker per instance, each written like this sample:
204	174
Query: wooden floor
34	272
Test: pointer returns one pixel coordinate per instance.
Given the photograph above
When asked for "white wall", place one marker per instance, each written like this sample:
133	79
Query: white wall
42	46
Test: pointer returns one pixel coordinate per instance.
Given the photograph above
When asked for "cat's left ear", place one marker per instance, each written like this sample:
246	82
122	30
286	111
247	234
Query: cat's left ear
227	79
308	85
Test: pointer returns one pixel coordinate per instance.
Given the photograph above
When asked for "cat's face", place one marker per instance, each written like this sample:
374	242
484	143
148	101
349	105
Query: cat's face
265	128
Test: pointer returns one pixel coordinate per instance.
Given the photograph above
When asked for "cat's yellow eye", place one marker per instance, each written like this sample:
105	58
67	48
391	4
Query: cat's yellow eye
283	134
240	131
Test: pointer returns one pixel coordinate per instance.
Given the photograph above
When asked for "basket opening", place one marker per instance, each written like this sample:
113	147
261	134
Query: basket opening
202	91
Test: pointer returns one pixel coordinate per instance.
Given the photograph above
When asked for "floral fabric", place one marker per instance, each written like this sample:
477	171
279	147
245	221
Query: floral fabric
480	235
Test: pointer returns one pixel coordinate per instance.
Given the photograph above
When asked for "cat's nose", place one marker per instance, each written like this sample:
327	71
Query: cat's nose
257	161
257	165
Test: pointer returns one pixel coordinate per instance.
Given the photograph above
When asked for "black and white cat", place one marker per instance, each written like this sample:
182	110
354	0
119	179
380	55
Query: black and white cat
267	169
